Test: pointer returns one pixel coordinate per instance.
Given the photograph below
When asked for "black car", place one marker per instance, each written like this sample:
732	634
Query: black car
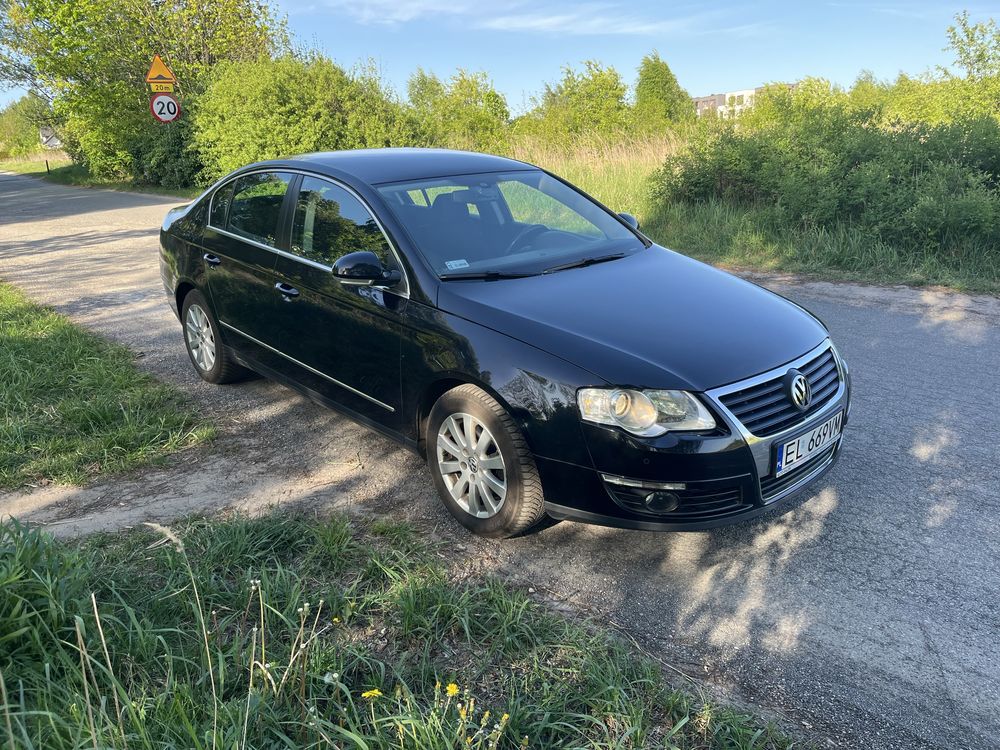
542	353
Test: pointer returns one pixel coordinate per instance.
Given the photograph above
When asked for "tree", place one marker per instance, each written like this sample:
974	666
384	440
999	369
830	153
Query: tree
589	102
464	112
266	109
19	124
659	99
976	46
89	57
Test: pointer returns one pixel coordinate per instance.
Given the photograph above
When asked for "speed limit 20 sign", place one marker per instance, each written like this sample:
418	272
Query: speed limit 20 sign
165	107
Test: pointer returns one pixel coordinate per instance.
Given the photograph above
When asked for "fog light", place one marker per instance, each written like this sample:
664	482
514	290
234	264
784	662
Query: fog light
662	502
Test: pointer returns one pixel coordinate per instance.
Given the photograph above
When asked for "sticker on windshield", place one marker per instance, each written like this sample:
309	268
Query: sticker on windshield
454	265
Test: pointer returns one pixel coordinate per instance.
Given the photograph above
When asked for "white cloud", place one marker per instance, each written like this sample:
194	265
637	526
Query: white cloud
586	19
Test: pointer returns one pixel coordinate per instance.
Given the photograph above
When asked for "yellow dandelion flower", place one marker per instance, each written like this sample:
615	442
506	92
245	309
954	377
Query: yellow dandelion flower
452	689
372	694
336	621
504	718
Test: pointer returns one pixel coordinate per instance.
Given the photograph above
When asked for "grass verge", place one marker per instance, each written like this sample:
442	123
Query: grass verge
65	172
747	238
75	406
286	632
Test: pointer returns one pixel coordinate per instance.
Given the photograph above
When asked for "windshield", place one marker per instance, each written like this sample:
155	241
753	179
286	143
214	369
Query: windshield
505	223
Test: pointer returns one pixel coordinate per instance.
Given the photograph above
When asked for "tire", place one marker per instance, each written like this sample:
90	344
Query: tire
204	344
500	458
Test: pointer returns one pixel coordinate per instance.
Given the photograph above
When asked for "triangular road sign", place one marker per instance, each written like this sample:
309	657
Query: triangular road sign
159	72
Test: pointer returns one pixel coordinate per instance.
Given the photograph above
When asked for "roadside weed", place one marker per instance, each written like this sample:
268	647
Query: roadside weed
159	640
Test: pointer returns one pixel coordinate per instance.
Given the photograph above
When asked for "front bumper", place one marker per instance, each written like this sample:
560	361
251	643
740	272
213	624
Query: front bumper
715	479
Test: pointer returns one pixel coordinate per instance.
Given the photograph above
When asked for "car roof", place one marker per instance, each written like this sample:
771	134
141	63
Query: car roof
380	165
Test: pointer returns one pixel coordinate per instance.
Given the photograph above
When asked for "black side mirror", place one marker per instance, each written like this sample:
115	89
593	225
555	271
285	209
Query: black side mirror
630	220
363	268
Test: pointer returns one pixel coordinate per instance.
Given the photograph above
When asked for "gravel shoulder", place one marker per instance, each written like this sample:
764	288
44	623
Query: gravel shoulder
866	614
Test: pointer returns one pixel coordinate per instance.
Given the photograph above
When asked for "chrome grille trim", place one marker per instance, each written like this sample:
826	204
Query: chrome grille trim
760	447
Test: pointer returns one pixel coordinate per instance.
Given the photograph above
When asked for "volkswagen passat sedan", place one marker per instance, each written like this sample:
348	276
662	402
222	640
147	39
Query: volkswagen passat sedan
539	350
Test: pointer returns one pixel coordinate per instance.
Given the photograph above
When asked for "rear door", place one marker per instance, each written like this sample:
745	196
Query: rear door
345	339
246	226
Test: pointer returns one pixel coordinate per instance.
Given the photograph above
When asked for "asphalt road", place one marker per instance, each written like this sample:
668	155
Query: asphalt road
869	613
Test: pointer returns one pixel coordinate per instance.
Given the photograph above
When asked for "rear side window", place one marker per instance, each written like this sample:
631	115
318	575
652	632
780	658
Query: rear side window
220	205
256	206
330	222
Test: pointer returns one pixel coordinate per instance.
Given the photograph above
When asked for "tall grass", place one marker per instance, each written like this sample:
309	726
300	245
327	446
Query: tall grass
750	239
616	172
283	633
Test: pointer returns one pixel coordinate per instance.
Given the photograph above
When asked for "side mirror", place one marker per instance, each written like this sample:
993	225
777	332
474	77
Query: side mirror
630	220
363	268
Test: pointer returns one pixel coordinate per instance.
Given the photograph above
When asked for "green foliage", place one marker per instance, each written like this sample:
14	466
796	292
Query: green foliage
815	159
91	56
590	102
265	109
465	112
659	99
283	632
75	406
976	46
19	124
41	588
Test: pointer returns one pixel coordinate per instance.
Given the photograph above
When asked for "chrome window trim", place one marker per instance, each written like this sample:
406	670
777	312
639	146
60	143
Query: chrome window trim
307	367
265	246
760	447
401	291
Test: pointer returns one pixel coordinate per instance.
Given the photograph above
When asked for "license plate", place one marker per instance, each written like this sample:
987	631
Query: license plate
797	451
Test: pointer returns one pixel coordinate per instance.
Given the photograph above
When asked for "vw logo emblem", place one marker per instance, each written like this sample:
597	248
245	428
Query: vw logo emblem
473	465
799	390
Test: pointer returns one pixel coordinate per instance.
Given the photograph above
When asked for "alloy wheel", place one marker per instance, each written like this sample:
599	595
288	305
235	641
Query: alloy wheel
200	338
472	466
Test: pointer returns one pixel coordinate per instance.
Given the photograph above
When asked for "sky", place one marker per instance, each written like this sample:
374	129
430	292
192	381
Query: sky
713	47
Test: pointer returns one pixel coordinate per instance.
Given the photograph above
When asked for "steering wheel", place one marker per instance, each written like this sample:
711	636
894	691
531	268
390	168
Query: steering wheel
523	235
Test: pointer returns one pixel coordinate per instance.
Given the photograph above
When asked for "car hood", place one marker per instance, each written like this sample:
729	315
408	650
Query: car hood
655	319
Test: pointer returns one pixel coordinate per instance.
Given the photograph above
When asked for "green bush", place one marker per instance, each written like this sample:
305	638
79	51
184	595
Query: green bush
814	158
271	108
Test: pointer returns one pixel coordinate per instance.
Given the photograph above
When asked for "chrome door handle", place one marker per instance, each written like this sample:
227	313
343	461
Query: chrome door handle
286	290
212	260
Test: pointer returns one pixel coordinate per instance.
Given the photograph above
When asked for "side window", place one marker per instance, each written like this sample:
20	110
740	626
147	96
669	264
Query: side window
330	222
256	206
220	205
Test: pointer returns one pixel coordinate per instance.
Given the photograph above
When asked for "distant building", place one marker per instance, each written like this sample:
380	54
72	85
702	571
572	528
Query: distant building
731	103
48	137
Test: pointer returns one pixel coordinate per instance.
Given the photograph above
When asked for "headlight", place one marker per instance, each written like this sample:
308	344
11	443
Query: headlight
644	413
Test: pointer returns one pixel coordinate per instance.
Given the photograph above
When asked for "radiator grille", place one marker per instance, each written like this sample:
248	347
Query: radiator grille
765	409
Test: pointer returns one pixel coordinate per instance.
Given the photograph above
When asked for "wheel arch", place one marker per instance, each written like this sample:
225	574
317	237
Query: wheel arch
184	288
441	385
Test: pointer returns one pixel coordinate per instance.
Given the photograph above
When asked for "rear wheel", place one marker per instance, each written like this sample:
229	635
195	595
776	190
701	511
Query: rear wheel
481	464
204	344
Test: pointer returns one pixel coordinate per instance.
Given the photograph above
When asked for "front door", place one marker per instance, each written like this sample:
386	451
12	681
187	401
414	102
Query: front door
345	339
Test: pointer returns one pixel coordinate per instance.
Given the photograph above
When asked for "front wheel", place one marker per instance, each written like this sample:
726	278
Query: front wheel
481	464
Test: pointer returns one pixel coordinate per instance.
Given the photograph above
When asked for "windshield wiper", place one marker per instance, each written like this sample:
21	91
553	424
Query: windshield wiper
487	275
584	262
